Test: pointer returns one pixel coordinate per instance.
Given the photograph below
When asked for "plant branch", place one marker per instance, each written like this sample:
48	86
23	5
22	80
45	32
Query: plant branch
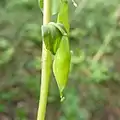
46	66
106	42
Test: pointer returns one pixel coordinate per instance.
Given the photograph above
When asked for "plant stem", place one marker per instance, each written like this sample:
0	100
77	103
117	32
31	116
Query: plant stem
46	66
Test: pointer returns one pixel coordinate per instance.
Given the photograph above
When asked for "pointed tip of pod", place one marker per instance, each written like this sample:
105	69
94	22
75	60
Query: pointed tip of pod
62	98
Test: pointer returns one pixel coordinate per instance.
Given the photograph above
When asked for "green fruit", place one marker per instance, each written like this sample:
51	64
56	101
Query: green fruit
61	64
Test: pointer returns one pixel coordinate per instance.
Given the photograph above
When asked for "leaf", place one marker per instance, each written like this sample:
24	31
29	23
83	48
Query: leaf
4	44
61	64
2	108
40	3
63	15
52	37
60	27
55	6
6	56
46	36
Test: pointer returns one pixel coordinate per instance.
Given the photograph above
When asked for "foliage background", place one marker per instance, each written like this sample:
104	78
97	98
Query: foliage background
93	88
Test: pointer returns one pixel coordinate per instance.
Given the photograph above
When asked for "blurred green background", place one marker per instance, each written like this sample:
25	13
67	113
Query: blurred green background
93	89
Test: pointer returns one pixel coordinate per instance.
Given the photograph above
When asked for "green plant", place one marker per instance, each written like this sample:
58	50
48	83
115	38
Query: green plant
55	42
91	32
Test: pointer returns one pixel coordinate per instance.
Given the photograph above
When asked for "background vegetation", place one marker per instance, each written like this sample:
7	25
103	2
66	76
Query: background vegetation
93	88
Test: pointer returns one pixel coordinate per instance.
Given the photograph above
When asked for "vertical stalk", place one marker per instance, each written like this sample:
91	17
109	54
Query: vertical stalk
46	66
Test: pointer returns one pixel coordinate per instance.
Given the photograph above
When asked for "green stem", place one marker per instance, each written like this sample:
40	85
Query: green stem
46	66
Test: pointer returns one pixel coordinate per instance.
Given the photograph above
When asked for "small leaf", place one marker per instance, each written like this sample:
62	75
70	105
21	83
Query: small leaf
46	36
6	55
4	44
2	108
60	27
40	3
61	64
52	37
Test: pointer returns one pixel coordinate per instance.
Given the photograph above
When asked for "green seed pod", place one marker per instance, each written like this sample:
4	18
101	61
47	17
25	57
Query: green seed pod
55	5
63	15
61	64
